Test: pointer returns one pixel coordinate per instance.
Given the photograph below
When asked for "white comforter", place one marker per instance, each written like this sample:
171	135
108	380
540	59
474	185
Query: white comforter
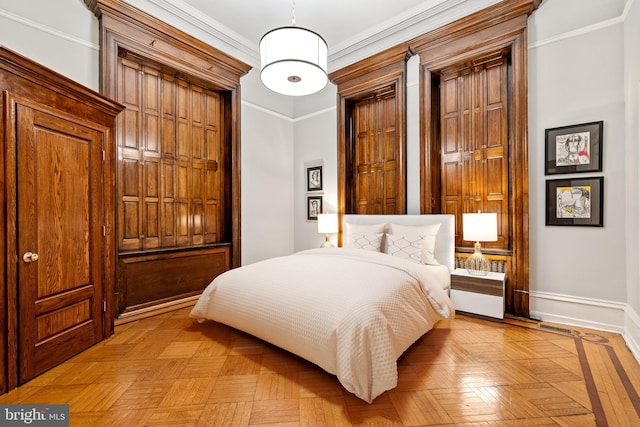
350	311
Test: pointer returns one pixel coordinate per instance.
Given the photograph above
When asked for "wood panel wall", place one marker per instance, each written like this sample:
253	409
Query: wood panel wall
178	174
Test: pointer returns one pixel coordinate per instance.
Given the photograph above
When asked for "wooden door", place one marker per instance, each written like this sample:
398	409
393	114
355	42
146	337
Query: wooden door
59	239
474	144
377	152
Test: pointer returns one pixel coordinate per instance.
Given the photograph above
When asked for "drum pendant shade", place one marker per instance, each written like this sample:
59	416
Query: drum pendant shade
293	61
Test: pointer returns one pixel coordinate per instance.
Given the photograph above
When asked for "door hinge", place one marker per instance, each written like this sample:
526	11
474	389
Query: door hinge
104	230
104	305
104	155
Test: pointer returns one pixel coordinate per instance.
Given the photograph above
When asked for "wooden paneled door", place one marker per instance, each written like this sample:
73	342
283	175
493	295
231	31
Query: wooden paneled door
59	238
475	144
377	155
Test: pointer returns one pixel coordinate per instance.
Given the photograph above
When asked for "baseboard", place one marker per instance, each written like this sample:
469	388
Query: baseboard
589	313
154	310
632	331
576	311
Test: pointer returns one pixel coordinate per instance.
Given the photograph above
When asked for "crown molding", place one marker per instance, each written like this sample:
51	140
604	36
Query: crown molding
389	33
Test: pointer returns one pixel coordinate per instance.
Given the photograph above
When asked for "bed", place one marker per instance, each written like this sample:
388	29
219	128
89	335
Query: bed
353	310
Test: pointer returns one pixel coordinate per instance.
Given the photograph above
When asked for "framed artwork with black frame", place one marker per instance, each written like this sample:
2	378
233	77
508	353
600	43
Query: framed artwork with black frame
575	201
574	149
314	207
314	178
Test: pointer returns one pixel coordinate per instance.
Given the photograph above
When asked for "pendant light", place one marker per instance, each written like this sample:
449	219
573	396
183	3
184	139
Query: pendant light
293	60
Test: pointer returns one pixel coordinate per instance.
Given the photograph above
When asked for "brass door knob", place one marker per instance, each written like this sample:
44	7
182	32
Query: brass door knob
30	257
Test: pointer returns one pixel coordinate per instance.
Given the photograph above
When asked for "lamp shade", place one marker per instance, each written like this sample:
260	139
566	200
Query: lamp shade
480	227
327	223
293	61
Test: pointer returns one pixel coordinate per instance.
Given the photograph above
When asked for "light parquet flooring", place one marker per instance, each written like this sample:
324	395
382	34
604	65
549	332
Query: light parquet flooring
170	370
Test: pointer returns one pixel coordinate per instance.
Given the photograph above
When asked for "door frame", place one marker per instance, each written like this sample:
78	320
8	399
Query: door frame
356	82
502	27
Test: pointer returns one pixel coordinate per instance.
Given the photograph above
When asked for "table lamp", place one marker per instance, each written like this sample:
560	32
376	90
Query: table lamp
327	224
479	227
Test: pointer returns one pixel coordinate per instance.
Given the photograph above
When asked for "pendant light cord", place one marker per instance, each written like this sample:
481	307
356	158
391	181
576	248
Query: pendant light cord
293	13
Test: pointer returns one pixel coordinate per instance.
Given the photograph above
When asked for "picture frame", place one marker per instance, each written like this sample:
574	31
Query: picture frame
575	201
314	207
314	178
574	148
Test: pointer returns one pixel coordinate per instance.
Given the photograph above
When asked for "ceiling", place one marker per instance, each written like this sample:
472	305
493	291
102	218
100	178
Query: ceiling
353	29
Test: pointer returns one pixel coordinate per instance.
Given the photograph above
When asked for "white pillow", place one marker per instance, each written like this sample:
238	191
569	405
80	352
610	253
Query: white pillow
356	236
370	242
414	242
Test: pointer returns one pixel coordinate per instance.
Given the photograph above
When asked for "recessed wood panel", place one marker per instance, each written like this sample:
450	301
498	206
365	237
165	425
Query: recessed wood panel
156	277
58	321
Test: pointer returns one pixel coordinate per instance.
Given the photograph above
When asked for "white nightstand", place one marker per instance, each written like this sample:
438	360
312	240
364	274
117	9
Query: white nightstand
482	295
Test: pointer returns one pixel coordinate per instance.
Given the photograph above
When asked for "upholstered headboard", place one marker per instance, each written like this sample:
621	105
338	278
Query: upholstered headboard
445	240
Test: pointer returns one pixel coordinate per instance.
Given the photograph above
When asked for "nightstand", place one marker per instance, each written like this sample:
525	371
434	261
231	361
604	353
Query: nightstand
483	295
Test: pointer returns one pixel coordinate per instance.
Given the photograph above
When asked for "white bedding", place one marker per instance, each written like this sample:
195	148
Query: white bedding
350	311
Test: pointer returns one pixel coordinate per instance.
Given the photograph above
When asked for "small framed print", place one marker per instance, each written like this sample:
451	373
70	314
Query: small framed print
314	207
577	201
574	149
314	178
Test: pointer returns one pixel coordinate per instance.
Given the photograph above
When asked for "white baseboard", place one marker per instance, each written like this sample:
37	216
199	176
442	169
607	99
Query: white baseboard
589	313
632	331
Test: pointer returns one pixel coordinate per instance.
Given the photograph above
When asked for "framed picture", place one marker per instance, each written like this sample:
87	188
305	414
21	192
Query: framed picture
576	201
574	149
314	207
314	178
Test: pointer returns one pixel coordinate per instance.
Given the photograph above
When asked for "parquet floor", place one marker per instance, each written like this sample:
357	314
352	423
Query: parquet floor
171	371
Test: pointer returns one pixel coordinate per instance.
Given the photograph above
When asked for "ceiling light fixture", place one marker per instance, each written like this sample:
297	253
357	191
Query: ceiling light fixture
293	60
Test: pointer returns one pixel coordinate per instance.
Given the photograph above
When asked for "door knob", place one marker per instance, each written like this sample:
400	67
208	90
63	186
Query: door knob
30	257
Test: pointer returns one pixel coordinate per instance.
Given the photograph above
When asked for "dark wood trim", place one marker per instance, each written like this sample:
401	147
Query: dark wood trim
155	39
235	194
624	378
362	72
451	43
592	391
502	27
358	81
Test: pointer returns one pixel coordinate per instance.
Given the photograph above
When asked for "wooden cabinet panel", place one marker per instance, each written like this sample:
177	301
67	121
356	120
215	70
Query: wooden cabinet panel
170	186
376	163
147	279
474	161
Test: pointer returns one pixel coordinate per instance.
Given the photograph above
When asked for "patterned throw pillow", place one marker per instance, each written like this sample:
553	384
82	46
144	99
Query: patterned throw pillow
416	243
359	236
370	242
406	247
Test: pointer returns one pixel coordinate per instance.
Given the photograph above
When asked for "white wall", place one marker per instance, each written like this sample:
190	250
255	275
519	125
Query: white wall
315	144
576	62
60	35
267	171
